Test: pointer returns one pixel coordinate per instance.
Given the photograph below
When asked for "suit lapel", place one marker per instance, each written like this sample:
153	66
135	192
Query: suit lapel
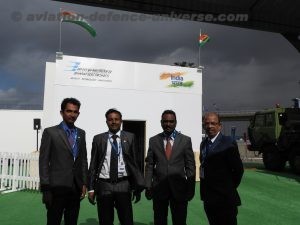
78	141
215	146
124	143
175	144
161	138
63	136
203	146
104	142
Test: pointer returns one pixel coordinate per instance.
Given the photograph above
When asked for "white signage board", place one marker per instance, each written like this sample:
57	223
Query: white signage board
91	72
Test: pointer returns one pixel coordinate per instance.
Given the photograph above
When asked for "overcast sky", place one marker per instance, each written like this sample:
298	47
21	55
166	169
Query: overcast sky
243	69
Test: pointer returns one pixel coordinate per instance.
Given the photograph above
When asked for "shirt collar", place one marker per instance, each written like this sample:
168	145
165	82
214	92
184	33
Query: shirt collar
172	136
111	134
214	138
65	127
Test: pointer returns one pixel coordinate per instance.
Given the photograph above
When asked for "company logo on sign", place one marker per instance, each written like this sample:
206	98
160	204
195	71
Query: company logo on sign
73	66
176	79
79	72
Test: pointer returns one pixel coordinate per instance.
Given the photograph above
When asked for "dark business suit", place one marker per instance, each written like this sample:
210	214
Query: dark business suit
110	195
61	174
223	171
171	181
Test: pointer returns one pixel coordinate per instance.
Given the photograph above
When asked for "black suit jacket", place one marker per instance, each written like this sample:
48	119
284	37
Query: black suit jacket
174	177
223	171
99	149
57	166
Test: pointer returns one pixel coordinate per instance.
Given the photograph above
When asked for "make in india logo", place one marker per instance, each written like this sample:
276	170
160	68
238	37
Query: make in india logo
176	79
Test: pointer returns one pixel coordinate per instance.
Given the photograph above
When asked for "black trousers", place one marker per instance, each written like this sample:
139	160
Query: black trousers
178	211
114	195
221	215
64	203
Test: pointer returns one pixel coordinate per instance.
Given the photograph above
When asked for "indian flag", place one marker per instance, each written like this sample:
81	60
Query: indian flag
72	17
203	38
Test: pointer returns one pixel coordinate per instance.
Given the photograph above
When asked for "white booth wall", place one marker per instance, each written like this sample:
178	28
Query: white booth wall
136	105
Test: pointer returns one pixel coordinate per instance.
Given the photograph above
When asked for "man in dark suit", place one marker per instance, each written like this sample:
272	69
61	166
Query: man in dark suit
170	172
114	173
221	172
63	166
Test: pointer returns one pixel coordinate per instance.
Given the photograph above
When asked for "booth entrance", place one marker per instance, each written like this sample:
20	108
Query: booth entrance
138	128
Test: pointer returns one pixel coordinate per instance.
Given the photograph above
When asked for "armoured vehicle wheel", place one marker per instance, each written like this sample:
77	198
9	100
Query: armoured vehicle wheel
272	159
294	160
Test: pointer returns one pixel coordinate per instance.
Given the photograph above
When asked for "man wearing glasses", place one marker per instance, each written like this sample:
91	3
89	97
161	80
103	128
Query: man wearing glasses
221	172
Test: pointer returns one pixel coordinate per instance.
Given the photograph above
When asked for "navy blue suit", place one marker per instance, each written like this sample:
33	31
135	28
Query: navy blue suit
223	171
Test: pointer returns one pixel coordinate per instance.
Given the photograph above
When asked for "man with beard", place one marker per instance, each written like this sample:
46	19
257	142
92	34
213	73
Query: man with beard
170	172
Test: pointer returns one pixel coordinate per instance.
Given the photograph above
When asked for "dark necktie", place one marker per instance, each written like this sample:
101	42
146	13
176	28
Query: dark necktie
207	148
113	173
168	148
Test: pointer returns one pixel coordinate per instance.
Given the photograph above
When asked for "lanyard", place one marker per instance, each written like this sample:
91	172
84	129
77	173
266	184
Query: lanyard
116	148
172	136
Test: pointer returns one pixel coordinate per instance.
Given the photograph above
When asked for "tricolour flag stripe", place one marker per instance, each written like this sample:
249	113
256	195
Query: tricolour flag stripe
72	17
203	39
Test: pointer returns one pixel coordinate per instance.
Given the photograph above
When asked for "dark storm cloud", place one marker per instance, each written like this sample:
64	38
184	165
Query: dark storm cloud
243	69
250	86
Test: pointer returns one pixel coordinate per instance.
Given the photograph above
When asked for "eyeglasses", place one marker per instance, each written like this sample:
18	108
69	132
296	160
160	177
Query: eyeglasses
211	123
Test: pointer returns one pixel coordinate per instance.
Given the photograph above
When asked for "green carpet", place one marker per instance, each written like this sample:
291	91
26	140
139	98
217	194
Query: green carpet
267	199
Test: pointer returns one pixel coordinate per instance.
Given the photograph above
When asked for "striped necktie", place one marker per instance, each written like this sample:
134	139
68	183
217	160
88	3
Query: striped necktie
113	173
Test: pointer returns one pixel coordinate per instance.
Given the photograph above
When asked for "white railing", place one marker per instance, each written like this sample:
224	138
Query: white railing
19	171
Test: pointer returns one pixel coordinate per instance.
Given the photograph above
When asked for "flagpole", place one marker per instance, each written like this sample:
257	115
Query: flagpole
199	65
60	22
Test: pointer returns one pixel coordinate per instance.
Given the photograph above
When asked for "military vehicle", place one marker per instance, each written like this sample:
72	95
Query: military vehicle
276	134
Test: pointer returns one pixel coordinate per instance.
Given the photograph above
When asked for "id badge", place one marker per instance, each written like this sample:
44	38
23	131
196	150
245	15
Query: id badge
122	167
